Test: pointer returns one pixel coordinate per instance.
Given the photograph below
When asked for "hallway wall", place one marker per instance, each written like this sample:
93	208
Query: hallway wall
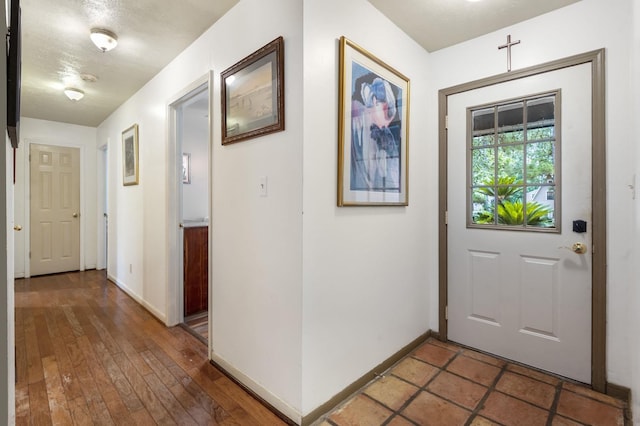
580	27
634	299
7	323
256	241
195	202
367	270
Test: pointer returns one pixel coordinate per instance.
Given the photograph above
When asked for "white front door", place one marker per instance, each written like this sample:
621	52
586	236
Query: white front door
55	209
523	293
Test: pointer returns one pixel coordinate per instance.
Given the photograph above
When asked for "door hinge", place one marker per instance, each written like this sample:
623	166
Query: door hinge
446	121
29	255
446	312
446	217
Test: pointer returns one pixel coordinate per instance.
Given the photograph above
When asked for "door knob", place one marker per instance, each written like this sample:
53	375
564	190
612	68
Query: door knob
75	215
579	248
17	228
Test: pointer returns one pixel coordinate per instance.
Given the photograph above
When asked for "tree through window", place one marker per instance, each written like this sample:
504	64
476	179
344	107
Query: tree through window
513	176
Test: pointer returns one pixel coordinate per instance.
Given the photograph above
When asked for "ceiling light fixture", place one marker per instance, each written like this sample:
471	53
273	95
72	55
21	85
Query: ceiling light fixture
74	94
105	40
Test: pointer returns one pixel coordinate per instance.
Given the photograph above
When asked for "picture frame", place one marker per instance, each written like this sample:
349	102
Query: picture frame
252	94
186	168
130	156
373	130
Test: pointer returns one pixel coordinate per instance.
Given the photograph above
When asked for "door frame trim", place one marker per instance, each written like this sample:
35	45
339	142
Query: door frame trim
175	308
596	59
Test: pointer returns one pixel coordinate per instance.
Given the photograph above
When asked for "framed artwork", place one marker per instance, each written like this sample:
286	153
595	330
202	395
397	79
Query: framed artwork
186	168
253	94
373	130
130	156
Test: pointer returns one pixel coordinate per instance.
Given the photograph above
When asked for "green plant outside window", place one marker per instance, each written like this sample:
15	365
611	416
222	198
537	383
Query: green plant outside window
512	178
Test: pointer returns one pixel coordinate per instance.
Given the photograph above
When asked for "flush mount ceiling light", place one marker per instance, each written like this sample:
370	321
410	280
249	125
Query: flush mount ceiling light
74	94
105	40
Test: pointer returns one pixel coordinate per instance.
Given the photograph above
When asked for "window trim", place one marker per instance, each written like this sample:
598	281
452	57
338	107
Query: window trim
557	229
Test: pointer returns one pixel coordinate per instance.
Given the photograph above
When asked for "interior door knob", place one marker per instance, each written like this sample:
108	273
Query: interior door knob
579	248
17	228
75	215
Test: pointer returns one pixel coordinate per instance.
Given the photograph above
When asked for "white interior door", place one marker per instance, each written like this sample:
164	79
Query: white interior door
55	209
521	294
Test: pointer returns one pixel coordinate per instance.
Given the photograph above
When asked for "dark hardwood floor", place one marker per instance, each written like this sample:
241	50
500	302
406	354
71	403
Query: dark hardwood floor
86	353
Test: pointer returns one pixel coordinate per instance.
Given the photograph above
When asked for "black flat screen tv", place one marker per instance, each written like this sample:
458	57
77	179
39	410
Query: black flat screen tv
13	74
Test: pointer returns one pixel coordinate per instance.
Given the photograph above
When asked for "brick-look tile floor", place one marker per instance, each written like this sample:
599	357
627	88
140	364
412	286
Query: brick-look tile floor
444	384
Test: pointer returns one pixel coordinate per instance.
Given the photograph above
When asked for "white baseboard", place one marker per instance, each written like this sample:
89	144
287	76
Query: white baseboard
154	311
259	390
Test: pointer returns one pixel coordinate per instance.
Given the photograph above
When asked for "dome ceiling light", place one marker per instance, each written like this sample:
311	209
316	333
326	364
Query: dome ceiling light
105	40
73	93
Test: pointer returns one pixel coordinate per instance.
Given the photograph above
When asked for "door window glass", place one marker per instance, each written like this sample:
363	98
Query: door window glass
513	173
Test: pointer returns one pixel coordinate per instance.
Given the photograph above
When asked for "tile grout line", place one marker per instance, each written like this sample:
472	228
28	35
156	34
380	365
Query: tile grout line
490	390
423	388
554	404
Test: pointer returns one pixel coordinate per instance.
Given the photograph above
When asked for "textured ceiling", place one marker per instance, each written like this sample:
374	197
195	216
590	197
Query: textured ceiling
436	24
56	48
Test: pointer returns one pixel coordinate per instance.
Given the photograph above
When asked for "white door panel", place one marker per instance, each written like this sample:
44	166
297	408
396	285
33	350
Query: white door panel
55	207
518	294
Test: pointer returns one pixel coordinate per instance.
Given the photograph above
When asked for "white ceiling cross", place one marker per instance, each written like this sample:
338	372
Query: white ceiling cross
508	46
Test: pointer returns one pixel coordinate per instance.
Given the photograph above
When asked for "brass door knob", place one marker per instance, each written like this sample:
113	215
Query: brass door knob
17	228
75	214
579	248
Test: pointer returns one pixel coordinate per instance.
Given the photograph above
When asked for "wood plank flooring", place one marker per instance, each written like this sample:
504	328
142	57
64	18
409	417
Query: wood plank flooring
199	324
86	353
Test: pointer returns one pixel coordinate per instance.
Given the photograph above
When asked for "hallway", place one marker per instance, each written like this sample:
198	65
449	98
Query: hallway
86	353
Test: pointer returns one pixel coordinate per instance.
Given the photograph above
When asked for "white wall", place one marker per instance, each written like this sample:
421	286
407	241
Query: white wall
7	326
634	299
255	254
195	141
578	28
62	134
367	270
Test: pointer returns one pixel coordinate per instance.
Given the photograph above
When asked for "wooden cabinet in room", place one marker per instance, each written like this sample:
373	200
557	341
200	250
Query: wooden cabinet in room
196	273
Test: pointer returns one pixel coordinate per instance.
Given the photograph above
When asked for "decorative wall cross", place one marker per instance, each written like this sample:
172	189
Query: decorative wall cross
508	46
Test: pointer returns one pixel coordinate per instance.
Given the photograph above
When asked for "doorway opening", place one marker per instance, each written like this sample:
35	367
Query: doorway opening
190	134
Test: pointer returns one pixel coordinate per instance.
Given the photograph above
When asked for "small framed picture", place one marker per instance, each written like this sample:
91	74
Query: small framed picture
373	144
130	156
253	94
186	168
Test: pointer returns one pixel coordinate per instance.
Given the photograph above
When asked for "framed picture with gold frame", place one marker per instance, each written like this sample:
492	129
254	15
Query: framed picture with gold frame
130	156
373	135
253	94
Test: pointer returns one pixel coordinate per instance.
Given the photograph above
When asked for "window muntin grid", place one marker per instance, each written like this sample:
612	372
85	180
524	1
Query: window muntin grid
513	149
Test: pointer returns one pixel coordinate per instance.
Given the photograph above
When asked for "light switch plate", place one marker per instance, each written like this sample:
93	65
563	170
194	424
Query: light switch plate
262	186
